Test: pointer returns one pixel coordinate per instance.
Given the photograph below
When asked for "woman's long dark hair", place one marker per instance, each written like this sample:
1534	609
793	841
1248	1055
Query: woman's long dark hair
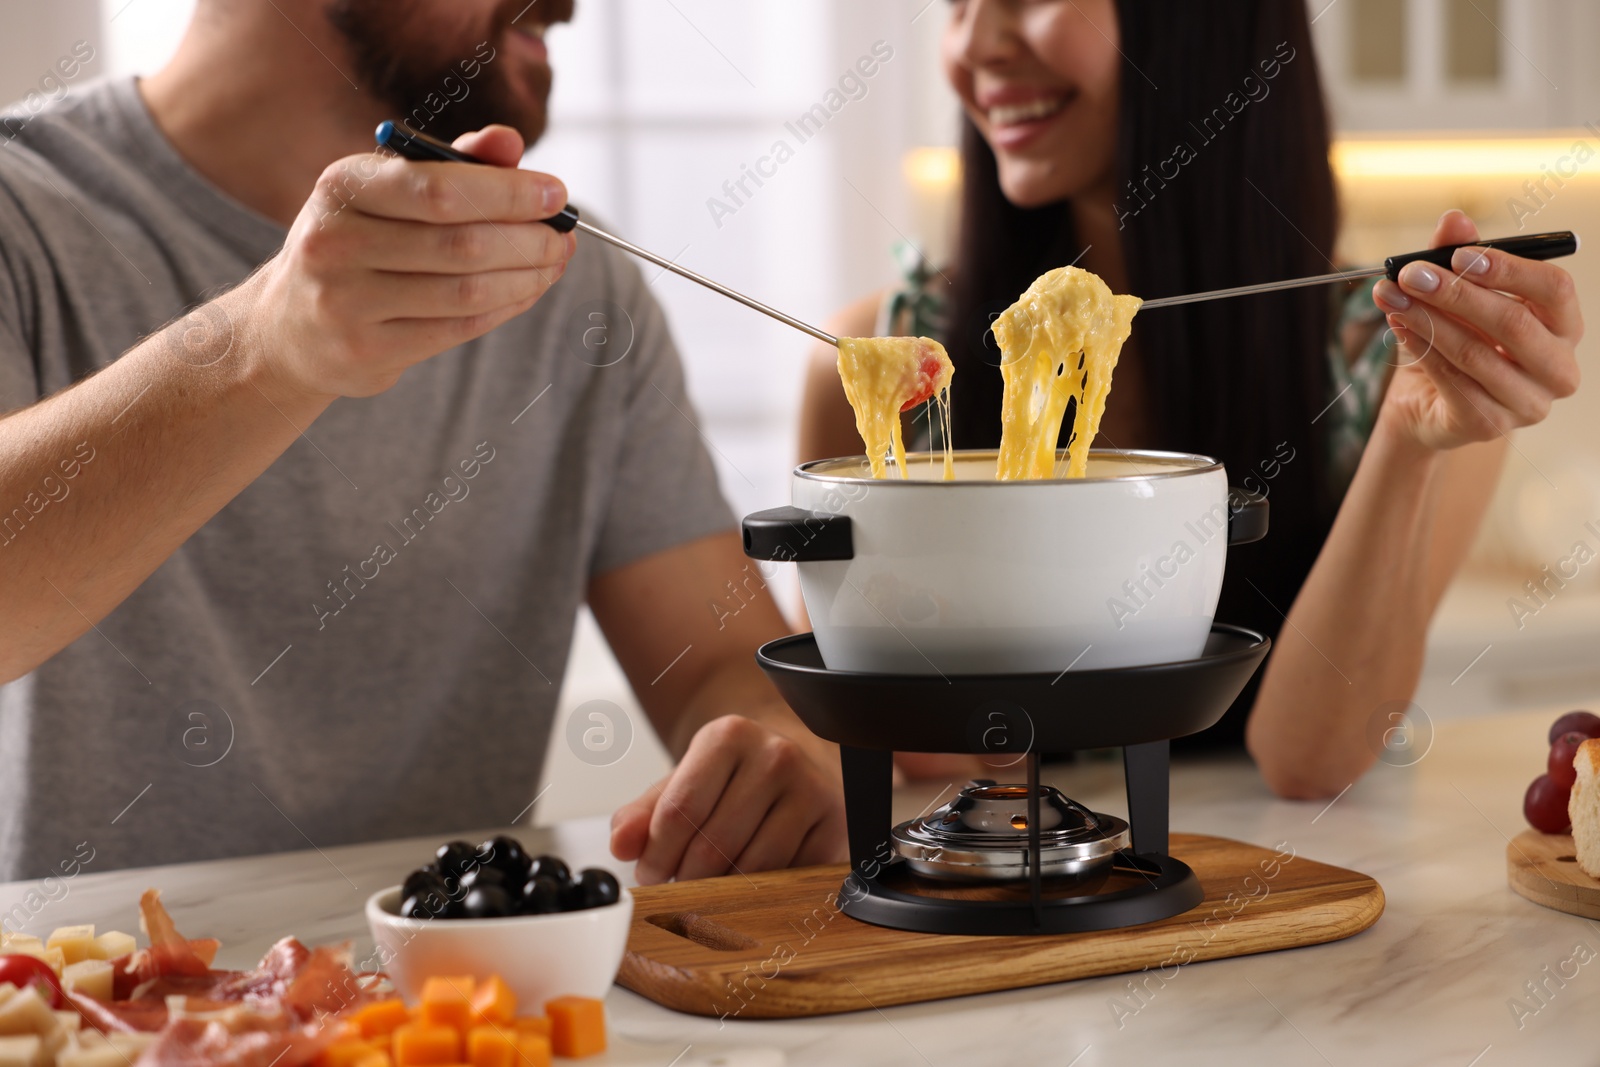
1223	179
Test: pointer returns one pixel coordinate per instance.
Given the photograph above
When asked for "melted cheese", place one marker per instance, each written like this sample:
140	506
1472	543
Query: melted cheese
1059	342
884	376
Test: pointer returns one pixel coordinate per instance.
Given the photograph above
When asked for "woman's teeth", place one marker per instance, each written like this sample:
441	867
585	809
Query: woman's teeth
1012	114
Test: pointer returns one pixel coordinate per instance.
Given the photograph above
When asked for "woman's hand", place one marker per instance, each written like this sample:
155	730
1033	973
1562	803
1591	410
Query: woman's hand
744	798
1484	347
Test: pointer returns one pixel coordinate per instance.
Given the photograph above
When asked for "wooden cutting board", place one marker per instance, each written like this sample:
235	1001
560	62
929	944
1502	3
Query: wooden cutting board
1542	868
773	945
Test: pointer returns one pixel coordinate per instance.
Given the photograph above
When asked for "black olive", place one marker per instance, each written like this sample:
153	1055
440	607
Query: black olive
599	888
485	876
455	858
554	866
428	904
541	895
506	854
423	878
573	897
487	902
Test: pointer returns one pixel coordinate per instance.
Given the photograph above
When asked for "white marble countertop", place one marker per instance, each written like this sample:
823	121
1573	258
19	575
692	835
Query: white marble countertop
1434	982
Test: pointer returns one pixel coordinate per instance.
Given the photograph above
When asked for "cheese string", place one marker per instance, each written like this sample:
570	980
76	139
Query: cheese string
1059	345
1059	342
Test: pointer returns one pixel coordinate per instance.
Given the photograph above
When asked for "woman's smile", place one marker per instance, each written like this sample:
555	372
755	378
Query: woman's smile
1014	117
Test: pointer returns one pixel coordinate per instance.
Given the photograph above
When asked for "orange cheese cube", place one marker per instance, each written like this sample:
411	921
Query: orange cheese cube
533	1050
423	1045
534	1024
494	1002
489	1046
577	1026
447	1001
345	1052
376	1058
380	1017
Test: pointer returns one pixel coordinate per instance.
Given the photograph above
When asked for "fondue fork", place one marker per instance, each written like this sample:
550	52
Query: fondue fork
1533	246
419	147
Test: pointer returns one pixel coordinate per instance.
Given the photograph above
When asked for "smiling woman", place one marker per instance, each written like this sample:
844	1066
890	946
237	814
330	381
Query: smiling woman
1144	143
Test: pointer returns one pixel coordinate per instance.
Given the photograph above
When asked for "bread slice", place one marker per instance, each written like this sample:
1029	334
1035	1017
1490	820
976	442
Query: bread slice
1584	807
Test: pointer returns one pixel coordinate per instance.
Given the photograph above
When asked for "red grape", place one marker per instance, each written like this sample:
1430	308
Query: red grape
1586	723
1561	754
1545	806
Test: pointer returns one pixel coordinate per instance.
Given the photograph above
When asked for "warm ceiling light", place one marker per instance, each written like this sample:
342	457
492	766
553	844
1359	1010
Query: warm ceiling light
1521	157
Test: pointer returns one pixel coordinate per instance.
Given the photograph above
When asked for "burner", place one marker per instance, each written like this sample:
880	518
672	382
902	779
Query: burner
982	836
970	867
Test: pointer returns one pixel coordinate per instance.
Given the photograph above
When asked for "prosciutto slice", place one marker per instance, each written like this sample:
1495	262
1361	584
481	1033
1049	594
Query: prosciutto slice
244	1043
275	1013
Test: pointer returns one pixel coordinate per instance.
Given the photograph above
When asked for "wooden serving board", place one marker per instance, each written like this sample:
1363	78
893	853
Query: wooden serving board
1543	868
774	945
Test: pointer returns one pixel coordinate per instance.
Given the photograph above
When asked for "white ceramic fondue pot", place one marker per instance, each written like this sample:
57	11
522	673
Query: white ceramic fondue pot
976	576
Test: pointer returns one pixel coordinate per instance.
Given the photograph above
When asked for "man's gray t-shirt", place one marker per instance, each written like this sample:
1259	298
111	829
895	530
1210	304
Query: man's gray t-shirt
369	640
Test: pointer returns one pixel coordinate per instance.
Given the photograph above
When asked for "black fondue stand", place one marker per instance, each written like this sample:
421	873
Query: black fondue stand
871	716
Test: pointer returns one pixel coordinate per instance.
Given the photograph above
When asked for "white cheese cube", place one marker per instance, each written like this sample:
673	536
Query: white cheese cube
21	1051
98	1055
65	1035
89	977
130	1046
114	943
75	942
26	1013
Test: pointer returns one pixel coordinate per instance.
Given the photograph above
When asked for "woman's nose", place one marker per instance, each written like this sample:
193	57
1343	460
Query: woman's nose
985	32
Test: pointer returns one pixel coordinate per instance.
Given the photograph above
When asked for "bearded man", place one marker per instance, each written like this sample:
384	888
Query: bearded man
308	458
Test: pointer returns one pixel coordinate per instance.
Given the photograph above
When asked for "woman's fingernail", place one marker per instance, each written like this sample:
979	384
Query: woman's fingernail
1388	293
1469	261
1419	276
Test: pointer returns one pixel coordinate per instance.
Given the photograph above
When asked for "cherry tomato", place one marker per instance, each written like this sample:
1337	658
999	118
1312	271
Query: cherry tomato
25	971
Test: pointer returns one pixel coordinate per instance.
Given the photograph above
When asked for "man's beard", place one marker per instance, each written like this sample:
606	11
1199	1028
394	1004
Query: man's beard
446	87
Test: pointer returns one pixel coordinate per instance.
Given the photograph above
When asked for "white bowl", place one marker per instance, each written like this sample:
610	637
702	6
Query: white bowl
571	953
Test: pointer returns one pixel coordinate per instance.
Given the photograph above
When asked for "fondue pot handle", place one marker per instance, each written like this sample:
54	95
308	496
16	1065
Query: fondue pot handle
794	535
1247	516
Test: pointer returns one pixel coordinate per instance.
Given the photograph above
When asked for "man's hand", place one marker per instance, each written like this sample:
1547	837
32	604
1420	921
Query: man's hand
391	262
753	788
743	798
1484	348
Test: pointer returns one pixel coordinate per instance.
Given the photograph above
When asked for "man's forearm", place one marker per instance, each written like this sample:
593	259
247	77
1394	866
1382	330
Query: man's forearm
103	481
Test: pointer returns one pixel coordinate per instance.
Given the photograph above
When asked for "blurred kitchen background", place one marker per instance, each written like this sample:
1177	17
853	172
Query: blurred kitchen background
659	103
